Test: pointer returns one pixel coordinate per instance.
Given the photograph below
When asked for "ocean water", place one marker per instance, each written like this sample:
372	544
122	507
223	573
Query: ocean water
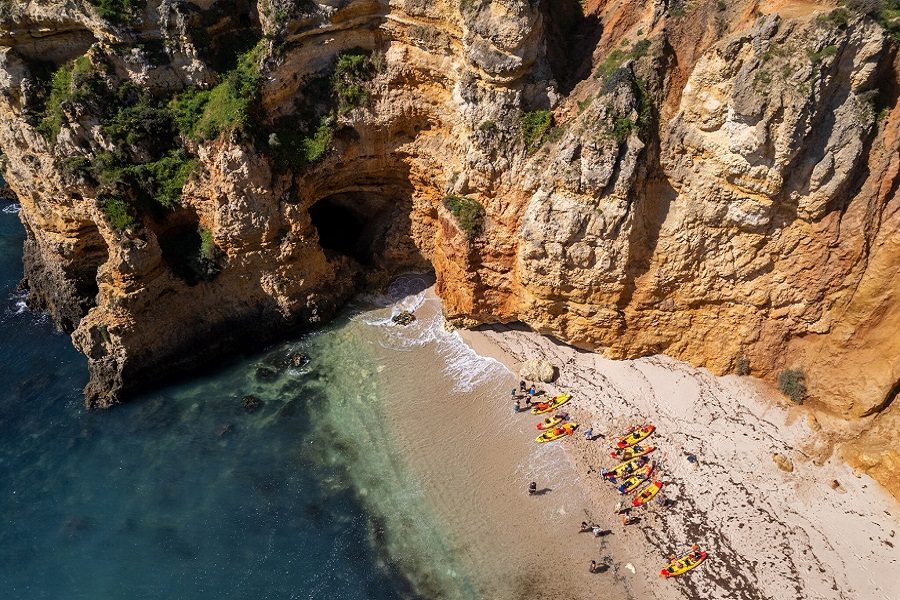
388	466
183	494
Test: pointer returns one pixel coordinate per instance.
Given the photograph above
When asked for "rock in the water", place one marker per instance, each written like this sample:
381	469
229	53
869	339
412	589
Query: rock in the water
538	370
266	373
783	462
251	403
298	359
403	318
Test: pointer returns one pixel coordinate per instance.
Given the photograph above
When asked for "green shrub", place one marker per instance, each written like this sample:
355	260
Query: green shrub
469	214
227	106
639	49
292	146
816	57
612	62
137	120
742	365
165	178
75	166
793	383
117	212
51	120
208	250
839	17
119	11
622	128
535	125
187	109
316	147
351	72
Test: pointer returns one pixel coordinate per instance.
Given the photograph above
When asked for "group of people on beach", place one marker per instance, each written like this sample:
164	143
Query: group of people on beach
527	392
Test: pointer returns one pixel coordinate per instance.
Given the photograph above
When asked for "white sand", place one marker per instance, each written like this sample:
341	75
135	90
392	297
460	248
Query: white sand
770	534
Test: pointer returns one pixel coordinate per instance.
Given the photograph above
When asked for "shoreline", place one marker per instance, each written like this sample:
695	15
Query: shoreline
801	536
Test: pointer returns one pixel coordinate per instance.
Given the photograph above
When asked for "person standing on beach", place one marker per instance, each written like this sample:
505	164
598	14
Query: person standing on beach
522	387
532	488
589	434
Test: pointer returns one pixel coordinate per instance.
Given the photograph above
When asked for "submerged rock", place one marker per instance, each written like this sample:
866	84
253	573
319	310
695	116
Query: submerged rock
251	403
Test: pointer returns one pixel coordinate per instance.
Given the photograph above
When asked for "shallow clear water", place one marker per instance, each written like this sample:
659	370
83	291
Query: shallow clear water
389	466
182	494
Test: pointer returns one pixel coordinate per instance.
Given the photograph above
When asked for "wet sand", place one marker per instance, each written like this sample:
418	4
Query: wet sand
474	458
770	533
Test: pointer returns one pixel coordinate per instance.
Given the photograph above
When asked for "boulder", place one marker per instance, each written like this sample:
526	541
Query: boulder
538	370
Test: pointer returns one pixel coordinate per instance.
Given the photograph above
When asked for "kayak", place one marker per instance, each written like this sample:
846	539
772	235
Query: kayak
620	469
684	564
545	407
647	494
632	452
556	433
633	481
549	422
638	435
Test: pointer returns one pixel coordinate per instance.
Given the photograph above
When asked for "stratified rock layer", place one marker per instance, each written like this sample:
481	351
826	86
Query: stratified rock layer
719	184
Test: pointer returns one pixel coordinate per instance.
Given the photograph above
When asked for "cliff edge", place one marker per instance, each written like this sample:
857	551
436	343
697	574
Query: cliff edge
716	181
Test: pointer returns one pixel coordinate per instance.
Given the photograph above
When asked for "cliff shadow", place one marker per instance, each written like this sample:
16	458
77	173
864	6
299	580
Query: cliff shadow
571	38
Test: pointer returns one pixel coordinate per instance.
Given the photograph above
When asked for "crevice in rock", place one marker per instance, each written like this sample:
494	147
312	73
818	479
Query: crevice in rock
571	39
180	243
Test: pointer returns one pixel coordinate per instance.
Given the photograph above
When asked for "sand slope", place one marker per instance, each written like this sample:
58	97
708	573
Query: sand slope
770	533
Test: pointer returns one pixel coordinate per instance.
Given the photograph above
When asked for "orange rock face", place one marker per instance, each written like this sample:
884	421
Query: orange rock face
718	183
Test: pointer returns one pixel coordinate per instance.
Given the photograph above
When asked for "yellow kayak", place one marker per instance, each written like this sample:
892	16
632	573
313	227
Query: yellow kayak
549	422
632	452
647	494
639	476
620	469
633	437
684	564
545	407
556	433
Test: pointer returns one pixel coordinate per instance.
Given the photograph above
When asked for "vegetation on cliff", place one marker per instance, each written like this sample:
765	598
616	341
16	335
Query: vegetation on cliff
119	11
204	114
469	214
535	125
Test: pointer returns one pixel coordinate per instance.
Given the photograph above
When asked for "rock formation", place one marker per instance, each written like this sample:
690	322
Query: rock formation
716	181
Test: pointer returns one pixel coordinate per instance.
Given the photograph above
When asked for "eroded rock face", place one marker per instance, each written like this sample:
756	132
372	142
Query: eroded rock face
725	186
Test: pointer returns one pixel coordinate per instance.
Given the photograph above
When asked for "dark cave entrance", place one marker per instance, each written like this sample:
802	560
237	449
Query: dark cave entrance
365	227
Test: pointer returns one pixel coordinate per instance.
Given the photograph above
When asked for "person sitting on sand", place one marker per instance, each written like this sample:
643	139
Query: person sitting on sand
532	390
522	387
532	488
593	567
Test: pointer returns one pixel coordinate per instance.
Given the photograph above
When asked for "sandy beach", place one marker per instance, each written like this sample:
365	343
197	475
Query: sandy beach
819	531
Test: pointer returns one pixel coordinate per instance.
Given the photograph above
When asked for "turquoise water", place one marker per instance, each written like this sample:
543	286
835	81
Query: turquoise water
183	494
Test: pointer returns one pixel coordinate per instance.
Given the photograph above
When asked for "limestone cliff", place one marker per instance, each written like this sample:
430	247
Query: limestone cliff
716	181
